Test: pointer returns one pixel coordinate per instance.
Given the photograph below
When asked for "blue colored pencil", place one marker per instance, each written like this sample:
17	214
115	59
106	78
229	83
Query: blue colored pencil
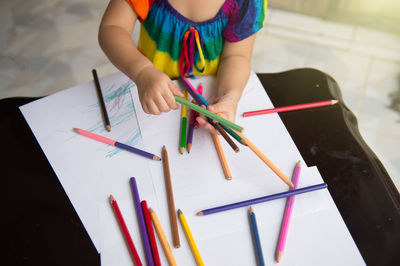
142	223
262	199
256	237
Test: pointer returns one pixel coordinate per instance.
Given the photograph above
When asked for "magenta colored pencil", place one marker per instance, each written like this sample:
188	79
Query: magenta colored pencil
290	108
286	216
116	144
142	223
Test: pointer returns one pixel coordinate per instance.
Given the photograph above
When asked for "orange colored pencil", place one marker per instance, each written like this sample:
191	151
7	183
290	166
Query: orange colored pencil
221	156
266	160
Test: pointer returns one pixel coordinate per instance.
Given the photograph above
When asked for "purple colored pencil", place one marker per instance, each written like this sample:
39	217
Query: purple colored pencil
142	223
191	90
137	151
262	199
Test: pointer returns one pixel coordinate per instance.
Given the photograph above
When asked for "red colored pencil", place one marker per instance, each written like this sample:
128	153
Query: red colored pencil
125	231
290	108
150	231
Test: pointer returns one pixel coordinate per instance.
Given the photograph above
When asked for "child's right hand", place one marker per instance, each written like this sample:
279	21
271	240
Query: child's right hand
156	91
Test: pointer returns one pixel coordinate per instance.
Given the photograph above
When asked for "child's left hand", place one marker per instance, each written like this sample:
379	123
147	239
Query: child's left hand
225	106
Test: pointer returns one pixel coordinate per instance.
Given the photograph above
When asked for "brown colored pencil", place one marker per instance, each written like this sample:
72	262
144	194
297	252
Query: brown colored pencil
171	204
221	156
223	133
264	158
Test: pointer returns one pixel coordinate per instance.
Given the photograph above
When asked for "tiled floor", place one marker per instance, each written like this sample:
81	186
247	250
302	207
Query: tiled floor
50	45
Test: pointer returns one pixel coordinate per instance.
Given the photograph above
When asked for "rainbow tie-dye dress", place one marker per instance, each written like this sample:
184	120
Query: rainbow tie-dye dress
177	45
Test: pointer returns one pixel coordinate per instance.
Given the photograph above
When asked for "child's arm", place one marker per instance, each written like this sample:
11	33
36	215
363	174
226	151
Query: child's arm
155	88
232	76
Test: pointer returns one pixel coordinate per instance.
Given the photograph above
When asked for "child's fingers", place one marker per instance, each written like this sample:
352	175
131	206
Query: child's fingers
206	125
162	104
153	109
175	90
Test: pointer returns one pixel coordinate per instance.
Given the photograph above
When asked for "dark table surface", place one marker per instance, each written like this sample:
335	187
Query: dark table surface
40	226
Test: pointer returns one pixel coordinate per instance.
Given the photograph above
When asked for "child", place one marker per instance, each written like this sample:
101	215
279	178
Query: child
183	37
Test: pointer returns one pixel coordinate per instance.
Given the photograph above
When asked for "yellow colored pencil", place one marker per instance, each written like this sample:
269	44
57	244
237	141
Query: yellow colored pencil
190	239
163	239
221	156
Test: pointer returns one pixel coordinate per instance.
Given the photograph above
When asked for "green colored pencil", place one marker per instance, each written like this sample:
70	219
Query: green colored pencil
208	113
182	144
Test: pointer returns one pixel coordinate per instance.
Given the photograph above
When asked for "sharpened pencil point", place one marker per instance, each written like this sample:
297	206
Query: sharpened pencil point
199	214
179	212
298	163
76	130
251	210
156	158
278	256
112	198
181	150
108	127
334	101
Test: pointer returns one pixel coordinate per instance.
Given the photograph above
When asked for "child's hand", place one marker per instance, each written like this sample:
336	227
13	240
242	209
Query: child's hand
225	106
156	91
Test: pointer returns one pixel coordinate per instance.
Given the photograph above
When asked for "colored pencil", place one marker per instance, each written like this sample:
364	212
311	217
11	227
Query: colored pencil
262	199
163	239
101	101
209	114
171	204
182	143
196	114
221	156
264	158
125	231
189	236
150	233
190	130
286	216
220	127
256	237
142	223
290	108
116	144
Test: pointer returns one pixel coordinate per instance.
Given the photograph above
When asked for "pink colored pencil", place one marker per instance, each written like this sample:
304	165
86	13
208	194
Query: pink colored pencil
290	108
286	216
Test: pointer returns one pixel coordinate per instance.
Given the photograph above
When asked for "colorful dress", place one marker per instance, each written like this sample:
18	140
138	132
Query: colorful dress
177	45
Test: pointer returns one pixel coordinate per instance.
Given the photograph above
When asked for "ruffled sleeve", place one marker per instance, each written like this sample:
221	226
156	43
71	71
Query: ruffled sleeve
141	7
246	17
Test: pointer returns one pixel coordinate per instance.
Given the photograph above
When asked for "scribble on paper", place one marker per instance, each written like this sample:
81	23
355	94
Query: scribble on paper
121	111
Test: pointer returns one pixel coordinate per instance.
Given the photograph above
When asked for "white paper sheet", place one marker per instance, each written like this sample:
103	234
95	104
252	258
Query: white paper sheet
88	170
199	183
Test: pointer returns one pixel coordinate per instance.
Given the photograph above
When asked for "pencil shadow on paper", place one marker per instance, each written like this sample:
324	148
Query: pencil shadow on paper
121	112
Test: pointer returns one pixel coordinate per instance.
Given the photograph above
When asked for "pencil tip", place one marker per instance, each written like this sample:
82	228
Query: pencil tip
108	127
298	163
228	178
290	184
179	212
278	256
76	130
199	214
150	210
111	198
334	101
251	210
181	150
156	158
